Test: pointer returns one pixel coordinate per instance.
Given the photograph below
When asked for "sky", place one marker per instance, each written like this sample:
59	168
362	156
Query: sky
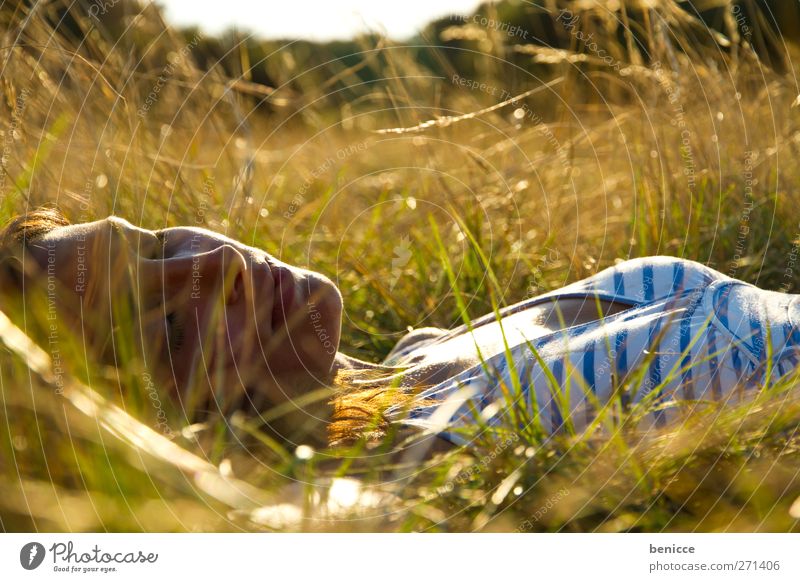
313	19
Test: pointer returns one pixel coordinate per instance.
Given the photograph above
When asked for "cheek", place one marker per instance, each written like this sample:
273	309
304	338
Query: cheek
315	341
325	305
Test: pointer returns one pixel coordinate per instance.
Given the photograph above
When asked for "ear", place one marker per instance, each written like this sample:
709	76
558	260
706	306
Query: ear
11	275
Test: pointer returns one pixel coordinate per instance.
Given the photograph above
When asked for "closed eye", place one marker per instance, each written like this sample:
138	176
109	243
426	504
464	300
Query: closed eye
161	236
175	332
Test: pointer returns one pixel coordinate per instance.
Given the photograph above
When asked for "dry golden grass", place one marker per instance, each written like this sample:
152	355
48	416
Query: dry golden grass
685	147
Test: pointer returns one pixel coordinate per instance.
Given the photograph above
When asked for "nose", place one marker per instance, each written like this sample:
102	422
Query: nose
202	277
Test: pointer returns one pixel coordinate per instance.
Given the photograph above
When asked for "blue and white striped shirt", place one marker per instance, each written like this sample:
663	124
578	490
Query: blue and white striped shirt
691	334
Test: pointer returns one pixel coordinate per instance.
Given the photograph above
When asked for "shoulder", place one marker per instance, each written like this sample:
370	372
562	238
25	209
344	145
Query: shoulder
412	340
649	278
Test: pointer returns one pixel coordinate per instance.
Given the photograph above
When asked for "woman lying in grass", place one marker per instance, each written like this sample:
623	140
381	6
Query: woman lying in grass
220	323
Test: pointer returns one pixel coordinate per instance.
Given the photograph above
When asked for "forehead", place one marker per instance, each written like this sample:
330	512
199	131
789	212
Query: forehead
92	230
99	229
65	249
107	237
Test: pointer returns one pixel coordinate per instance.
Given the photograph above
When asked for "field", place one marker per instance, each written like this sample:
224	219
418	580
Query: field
495	157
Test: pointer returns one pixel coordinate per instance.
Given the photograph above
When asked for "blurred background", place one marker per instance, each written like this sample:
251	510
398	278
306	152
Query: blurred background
384	144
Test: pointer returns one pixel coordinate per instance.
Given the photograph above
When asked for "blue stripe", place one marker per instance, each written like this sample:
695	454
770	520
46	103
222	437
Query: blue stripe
792	342
622	351
556	419
484	401
686	373
647	282
495	378
795	336
678	275
589	376
758	337
786	330
655	371
619	283
713	364
737	363
722	306
588	367
686	332
621	345
525	380
578	330
723	303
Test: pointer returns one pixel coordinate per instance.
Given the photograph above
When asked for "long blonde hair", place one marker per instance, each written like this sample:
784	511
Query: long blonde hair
18	232
361	398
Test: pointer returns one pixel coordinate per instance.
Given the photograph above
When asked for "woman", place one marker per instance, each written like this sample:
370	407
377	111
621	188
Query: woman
653	335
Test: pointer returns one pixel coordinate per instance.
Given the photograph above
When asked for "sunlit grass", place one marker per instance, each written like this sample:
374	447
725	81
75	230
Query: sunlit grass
431	227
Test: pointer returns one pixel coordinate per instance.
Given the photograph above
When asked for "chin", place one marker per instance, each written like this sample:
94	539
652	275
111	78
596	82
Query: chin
313	342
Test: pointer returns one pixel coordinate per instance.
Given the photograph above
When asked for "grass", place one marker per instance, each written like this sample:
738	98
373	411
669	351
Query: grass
431	224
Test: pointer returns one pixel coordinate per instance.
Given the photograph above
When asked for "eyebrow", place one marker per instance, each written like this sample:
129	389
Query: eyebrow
161	236
140	233
116	226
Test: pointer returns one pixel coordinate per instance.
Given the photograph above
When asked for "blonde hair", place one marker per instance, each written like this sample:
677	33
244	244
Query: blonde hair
361	398
31	226
20	231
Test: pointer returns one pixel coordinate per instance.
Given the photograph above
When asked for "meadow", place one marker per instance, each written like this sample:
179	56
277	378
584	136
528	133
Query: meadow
433	180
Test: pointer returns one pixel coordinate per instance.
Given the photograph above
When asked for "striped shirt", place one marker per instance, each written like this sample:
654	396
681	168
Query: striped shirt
690	334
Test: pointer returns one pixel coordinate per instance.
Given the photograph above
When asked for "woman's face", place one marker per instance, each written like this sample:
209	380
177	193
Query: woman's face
207	309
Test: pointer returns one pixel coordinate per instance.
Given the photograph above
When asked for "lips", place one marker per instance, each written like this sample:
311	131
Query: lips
283	303
284	295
